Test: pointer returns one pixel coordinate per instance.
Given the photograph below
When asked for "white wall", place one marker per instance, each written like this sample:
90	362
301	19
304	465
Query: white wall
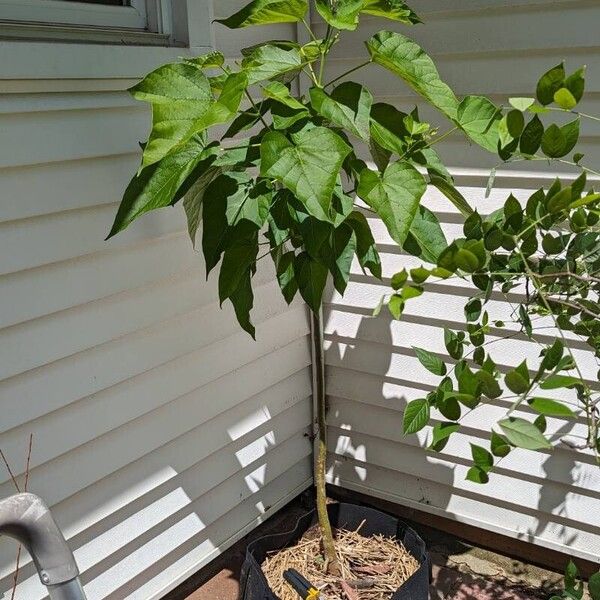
492	47
162	432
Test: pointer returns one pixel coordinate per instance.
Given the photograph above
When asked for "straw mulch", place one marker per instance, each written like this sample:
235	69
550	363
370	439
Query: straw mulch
373	568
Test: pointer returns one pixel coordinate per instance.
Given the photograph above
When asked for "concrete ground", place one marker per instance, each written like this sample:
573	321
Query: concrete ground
460	571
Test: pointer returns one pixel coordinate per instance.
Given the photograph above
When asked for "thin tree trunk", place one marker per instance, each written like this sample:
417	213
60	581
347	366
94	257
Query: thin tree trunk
320	463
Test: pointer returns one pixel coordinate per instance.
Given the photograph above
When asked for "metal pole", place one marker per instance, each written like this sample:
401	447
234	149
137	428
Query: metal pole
26	518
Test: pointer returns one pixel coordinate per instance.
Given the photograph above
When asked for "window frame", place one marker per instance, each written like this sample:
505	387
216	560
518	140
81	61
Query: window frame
81	14
46	59
143	22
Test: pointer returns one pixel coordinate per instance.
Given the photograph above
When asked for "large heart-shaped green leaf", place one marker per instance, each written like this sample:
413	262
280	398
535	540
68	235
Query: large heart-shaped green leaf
265	12
478	118
308	165
396	10
408	60
180	94
348	106
270	61
394	196
157	185
341	14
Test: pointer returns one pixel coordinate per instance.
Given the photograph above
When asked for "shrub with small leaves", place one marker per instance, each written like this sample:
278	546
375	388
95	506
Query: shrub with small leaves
543	258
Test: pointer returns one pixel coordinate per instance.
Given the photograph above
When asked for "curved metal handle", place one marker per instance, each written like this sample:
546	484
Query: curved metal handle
26	518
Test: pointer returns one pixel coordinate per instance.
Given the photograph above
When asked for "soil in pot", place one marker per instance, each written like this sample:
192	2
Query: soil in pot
373	567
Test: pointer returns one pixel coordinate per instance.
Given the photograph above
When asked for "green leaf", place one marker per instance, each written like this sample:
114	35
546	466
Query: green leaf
531	138
575	83
308	165
222	190
339	253
500	446
430	361
594	586
477	475
425	239
212	60
478	117
395	10
406	59
441	433
559	141
311	277
523	434
280	93
549	84
157	185
271	61
396	305
516	383
551	408
453	195
237	260
565	99
284	264
399	279
180	94
253	206
553	354
348	106
481	457
265	12
521	104
559	381
416	416
473	309
395	196
420	274
366	249
344	15
388	129
243	300
489	385
515	122
192	201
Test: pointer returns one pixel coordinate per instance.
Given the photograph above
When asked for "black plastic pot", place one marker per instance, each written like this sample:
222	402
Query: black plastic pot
253	583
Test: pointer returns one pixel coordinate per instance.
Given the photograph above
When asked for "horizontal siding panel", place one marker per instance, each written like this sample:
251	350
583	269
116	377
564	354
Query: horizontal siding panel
76	233
486	32
49	289
70	135
48	188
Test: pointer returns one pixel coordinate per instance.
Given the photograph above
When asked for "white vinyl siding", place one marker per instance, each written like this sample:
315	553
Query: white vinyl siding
162	432
498	48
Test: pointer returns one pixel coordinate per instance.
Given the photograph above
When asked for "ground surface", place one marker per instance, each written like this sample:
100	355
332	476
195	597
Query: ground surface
460	571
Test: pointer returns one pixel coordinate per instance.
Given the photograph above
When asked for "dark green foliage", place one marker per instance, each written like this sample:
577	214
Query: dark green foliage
297	190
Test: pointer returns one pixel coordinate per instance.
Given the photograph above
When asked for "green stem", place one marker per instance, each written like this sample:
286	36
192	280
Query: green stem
574	112
320	465
368	62
324	52
310	31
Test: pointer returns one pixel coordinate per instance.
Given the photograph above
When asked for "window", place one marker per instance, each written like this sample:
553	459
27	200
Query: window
138	22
